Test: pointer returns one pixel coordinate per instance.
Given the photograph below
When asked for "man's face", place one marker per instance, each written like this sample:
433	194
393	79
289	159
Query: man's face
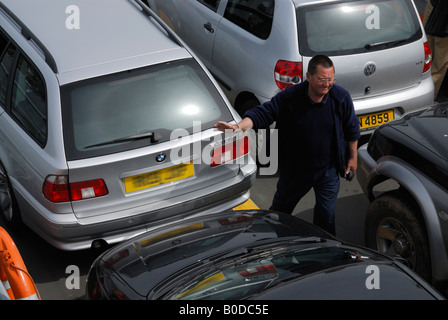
321	82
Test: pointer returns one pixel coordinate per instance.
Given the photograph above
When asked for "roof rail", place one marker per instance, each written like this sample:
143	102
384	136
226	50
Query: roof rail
28	35
149	13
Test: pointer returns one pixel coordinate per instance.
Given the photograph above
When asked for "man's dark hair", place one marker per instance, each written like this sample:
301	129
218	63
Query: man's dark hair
319	60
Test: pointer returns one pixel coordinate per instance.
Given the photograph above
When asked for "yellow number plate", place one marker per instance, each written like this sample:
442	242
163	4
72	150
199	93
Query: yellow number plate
154	178
367	121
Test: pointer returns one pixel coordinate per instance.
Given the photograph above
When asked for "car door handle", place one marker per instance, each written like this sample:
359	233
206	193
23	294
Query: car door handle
209	27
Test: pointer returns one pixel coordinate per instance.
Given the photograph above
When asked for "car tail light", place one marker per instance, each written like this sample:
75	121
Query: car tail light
268	269
288	73
87	189
58	189
230	151
428	57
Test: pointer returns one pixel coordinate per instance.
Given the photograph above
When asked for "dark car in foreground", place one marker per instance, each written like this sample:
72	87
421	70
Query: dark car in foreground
403	170
253	254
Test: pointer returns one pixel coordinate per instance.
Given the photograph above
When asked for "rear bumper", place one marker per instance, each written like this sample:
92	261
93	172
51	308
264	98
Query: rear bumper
412	99
66	232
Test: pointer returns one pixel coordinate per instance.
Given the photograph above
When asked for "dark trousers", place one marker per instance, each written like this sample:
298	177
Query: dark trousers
325	182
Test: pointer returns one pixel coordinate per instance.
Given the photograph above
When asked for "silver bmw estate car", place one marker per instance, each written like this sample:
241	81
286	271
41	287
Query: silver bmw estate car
255	48
106	124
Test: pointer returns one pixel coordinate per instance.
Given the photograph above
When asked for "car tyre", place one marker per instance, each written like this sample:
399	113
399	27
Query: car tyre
9	209
395	227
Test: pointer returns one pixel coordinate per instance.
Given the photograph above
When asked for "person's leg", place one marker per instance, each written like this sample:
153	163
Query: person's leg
326	189
439	49
289	192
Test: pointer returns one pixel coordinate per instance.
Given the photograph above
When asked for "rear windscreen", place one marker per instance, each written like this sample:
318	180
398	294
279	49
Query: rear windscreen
104	115
356	26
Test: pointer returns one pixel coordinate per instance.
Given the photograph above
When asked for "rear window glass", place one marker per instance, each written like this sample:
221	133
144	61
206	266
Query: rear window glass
248	275
356	27
99	112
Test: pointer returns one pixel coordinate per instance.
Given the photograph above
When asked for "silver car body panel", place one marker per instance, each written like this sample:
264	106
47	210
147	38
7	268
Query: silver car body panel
124	39
95	42
244	63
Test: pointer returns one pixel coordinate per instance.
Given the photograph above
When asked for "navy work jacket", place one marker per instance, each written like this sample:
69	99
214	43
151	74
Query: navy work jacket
280	109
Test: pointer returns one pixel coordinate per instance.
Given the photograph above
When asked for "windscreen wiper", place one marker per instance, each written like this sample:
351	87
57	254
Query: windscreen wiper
384	43
154	137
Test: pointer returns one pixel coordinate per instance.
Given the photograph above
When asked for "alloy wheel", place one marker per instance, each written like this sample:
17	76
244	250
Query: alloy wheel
394	239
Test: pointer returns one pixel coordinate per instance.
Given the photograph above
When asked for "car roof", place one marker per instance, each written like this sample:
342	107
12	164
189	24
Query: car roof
109	31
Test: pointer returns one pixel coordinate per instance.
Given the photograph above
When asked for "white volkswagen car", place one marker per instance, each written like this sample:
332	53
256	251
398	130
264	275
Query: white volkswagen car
255	48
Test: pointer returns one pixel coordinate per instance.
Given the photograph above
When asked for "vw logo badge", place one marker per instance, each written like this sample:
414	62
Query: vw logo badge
161	157
369	69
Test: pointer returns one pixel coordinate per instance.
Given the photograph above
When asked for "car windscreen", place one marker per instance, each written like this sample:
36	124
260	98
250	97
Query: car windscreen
352	27
126	110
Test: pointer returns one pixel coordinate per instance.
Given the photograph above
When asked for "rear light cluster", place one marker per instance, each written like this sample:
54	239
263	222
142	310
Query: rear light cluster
288	73
230	151
58	189
428	57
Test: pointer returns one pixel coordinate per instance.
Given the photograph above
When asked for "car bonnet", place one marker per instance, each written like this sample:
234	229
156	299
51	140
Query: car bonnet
429	129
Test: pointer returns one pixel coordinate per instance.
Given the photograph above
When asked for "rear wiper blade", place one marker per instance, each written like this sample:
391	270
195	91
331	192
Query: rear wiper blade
384	43
154	137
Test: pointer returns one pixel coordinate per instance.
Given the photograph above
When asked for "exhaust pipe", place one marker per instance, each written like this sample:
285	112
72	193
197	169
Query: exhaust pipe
99	244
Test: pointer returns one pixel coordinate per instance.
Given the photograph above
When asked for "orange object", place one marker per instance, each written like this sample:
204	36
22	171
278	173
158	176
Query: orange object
5	283
14	275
